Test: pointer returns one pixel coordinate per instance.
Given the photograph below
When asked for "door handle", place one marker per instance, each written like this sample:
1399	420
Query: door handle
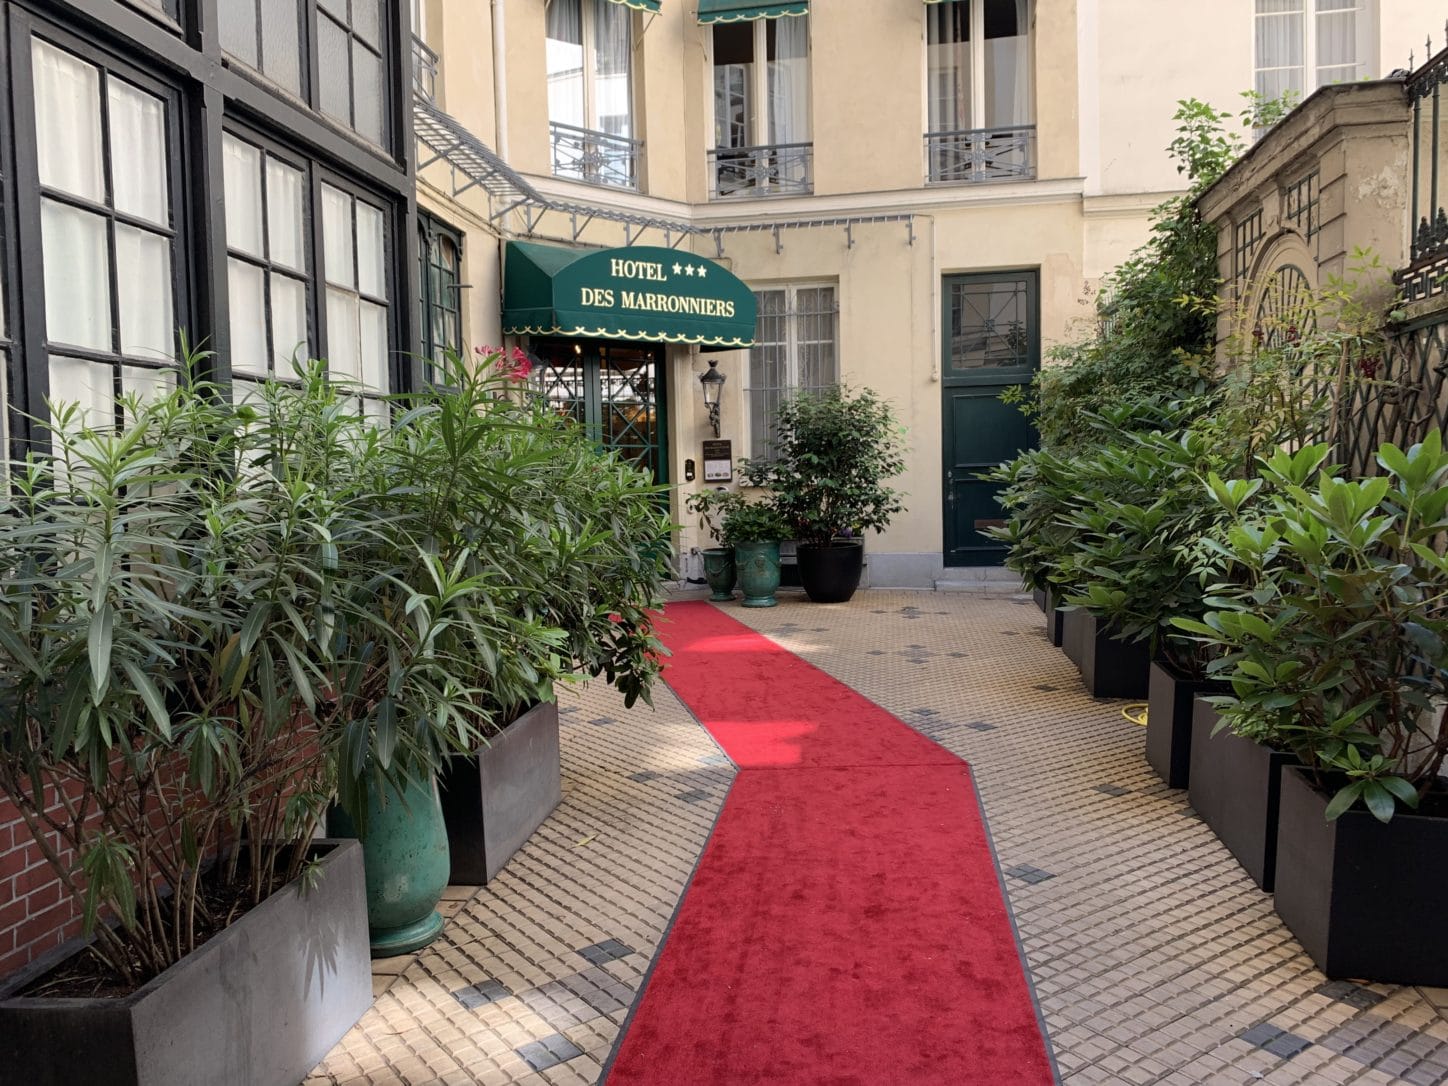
950	487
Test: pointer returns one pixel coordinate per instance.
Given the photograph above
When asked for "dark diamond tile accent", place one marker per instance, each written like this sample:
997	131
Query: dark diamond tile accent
1367	1038
601	720
1287	1045
926	712
479	995
957	655
875	652
549	1052
644	776
1261	1035
1354	995
694	795
565	709
914	660
1113	790
714	759
1046	687
981	726
1028	874
593	988
609	950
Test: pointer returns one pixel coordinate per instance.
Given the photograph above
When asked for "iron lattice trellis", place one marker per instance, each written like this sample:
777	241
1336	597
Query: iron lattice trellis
1399	396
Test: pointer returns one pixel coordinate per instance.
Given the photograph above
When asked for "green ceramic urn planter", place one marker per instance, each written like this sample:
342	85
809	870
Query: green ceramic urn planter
758	565
405	853
720	572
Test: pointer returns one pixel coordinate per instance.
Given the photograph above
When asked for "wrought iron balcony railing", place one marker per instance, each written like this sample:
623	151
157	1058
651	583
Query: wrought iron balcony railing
1428	246
596	157
424	70
779	169
979	155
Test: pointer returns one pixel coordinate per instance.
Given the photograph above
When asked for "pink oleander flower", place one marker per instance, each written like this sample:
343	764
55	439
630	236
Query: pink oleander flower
511	363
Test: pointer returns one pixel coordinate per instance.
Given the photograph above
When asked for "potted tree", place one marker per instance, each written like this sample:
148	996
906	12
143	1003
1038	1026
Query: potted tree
833	451
1338	645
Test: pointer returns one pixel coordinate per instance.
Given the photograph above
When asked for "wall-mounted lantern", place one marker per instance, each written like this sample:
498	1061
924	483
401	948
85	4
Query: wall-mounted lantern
712	382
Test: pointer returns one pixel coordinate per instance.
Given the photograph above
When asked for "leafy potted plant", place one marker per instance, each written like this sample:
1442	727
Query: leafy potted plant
833	451
719	569
756	528
1337	647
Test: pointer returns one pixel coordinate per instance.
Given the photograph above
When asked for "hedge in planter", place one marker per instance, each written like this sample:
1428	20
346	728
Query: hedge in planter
832	452
197	648
1337	648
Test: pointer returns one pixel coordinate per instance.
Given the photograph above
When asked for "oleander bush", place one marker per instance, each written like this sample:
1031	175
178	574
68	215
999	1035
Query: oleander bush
218	619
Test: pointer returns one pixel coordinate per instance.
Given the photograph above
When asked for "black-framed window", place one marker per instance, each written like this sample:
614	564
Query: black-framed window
269	270
350	48
91	272
266	35
105	160
440	260
355	266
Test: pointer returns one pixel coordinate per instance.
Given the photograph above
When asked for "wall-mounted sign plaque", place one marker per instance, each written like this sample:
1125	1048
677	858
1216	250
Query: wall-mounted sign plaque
718	461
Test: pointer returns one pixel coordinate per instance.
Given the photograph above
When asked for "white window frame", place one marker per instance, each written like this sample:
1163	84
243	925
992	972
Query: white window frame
590	70
791	383
1365	26
758	122
977	66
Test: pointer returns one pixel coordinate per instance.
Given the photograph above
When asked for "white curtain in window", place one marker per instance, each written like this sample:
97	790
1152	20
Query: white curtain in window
284	214
1280	40
246	289
789	81
564	49
144	289
613	60
947	54
241	178
91	385
68	120
1007	64
1338	58
77	286
138	152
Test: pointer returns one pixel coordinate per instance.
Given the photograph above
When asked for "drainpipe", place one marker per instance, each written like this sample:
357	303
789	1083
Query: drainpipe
500	76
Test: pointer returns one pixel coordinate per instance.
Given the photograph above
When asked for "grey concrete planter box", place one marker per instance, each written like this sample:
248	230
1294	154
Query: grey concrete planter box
260	1003
1338	879
1236	786
493	800
1170	701
1055	619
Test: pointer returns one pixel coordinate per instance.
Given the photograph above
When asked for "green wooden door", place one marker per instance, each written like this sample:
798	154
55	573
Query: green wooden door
991	339
615	390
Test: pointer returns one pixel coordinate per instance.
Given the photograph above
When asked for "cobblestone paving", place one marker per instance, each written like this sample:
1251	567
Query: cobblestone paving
1154	957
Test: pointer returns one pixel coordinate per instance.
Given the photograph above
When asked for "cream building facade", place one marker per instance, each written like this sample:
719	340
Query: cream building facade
923	198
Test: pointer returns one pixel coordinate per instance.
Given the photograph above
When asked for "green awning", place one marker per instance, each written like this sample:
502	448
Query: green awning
733	11
641	5
641	293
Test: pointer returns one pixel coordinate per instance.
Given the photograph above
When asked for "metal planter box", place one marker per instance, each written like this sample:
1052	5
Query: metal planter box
1055	619
1170	700
1236	786
261	1002
1361	896
493	800
1109	668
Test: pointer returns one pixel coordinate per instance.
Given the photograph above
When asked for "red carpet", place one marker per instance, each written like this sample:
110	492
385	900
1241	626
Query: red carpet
846	923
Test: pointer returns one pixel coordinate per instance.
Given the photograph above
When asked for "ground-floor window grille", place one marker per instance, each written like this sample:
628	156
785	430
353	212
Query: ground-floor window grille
796	349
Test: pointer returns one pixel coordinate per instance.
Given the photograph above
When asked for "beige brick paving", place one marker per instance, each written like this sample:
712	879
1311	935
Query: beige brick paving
1152	953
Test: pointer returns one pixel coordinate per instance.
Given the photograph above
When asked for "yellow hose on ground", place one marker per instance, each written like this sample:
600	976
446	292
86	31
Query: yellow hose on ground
1136	714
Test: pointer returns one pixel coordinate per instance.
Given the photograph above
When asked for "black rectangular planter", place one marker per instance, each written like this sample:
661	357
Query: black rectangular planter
1039	595
1360	895
1236	786
1076	629
1055	619
261	1003
493	800
1169	704
1109	668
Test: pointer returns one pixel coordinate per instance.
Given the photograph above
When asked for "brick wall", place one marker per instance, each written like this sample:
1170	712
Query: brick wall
35	913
